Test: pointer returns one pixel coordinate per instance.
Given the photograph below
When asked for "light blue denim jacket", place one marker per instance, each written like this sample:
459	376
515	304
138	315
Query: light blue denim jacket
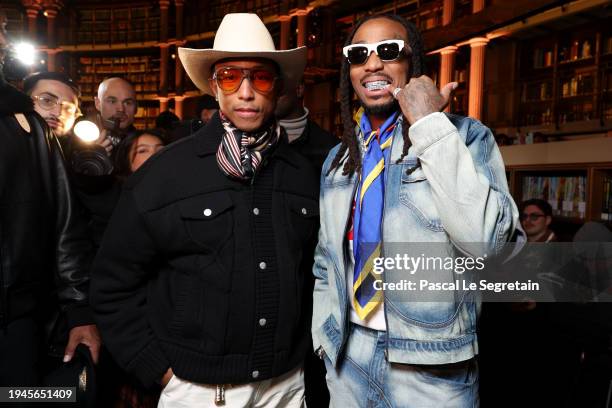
459	194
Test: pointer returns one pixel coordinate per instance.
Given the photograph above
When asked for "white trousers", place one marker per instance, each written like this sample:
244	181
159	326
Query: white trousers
286	390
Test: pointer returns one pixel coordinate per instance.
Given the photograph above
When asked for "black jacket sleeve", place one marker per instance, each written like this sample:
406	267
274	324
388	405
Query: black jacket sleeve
73	249
118	293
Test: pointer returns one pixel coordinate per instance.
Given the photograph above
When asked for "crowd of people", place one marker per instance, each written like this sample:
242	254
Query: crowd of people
228	259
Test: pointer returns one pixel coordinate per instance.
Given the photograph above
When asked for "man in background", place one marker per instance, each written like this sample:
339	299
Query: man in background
93	167
314	143
56	98
536	216
116	103
207	107
303	133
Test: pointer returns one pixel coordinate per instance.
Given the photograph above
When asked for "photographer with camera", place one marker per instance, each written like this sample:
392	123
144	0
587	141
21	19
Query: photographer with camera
92	163
116	103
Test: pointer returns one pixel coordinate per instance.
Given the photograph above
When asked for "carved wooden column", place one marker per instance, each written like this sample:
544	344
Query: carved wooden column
163	104
478	5
51	14
447	66
178	106
51	59
302	20
32	8
51	9
178	68
163	21
448	12
179	74
180	10
477	69
163	69
285	22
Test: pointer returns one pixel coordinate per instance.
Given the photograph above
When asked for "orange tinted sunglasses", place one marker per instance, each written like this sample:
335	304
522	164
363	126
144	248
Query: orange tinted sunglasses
229	79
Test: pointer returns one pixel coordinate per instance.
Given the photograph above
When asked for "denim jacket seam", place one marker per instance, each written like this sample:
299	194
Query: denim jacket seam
418	323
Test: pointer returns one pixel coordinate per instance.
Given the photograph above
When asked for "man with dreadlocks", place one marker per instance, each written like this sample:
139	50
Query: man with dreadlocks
404	173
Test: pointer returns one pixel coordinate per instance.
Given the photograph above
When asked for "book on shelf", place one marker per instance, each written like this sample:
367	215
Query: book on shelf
542	58
565	194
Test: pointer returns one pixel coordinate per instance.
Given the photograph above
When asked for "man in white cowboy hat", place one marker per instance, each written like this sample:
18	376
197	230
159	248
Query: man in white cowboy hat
201	282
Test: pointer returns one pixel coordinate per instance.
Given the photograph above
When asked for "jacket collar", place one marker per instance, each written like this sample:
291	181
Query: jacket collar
209	137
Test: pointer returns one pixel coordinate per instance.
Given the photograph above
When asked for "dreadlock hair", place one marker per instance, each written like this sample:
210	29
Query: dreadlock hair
348	139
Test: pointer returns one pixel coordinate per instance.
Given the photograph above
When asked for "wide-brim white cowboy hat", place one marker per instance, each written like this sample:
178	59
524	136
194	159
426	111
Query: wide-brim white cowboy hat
242	35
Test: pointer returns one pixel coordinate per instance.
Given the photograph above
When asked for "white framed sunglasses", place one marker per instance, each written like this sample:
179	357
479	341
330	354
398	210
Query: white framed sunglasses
388	50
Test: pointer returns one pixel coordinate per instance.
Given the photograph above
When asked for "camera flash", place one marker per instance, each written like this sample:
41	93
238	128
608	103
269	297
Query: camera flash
87	131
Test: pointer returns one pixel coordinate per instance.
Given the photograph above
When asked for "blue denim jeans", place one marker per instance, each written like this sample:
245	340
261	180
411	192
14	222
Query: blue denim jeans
364	378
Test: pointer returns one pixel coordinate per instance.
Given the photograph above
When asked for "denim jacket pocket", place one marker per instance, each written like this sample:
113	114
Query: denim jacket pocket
208	219
415	193
460	374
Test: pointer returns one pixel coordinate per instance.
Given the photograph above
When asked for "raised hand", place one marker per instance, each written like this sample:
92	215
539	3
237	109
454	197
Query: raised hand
105	142
420	97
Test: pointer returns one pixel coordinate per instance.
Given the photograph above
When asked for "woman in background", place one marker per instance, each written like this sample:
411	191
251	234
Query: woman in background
136	149
121	390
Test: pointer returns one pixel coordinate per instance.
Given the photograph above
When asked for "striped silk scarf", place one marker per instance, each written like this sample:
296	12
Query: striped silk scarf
369	210
240	154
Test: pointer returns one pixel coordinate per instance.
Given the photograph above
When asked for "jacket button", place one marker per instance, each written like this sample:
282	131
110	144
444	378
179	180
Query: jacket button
262	322
262	265
255	374
256	211
304	211
207	212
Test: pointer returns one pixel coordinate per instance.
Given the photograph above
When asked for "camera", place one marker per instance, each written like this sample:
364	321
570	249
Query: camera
91	159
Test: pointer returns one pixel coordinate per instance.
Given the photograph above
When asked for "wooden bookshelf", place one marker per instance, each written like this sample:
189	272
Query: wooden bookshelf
111	25
575	177
564	188
146	114
141	70
564	78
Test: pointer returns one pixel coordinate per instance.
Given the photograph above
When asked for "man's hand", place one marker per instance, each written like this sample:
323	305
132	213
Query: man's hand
166	378
420	97
89	336
105	142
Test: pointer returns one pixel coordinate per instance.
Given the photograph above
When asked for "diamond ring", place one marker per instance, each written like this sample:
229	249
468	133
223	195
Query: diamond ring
396	91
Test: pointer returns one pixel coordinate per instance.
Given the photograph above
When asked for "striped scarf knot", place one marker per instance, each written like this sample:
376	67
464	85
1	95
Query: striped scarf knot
240	153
